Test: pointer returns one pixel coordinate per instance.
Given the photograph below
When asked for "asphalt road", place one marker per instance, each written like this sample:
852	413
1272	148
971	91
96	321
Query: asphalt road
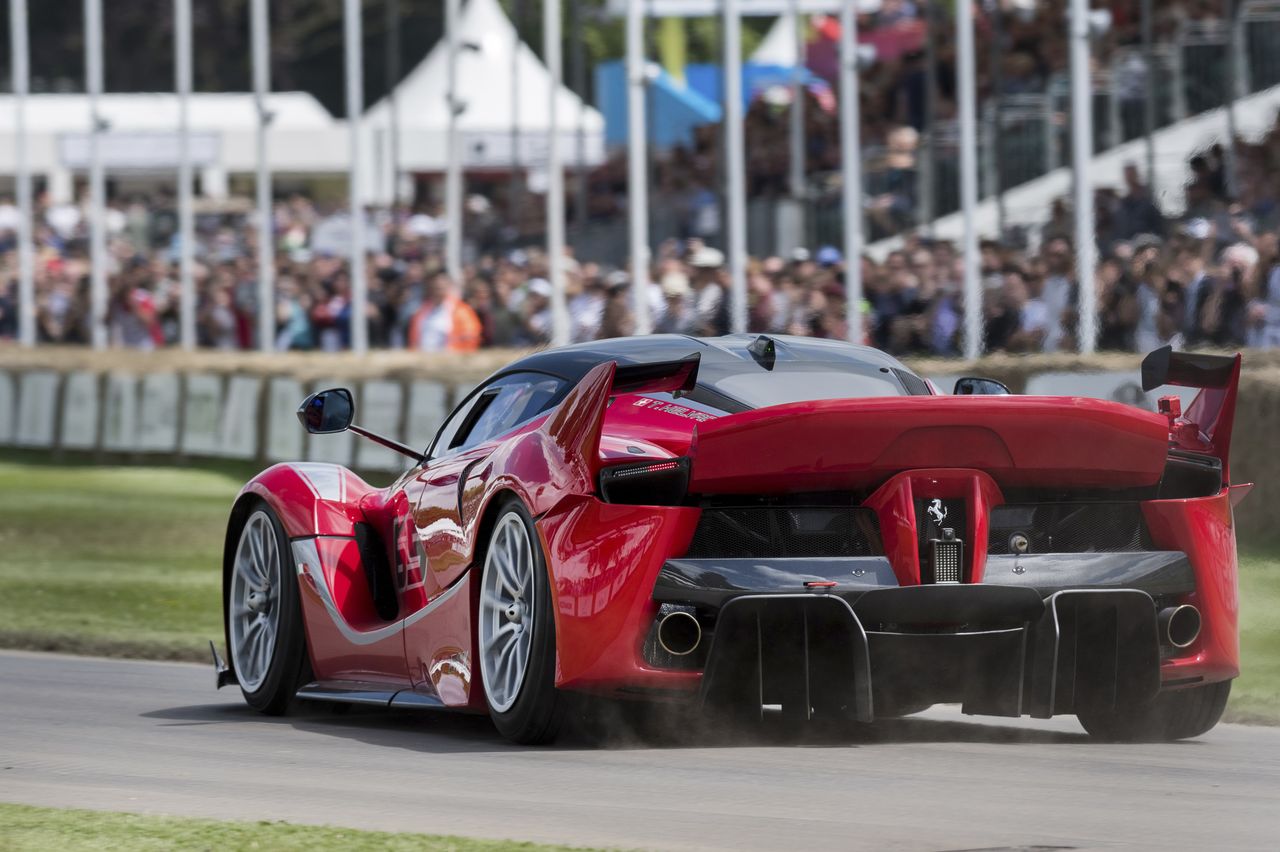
156	738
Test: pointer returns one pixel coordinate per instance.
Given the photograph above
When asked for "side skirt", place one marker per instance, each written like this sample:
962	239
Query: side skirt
371	694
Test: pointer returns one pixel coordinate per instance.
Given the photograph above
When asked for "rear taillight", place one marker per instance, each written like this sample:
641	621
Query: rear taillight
655	483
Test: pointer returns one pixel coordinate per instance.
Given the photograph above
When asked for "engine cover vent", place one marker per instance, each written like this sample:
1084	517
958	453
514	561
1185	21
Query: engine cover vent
1113	527
779	531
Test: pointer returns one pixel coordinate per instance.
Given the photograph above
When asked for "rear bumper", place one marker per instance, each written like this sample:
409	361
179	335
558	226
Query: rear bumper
714	582
1054	634
611	569
820	653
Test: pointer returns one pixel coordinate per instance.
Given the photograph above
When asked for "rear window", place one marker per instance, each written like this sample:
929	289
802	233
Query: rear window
806	381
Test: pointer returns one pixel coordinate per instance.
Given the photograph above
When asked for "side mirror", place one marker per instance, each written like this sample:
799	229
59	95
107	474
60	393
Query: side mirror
975	386
327	411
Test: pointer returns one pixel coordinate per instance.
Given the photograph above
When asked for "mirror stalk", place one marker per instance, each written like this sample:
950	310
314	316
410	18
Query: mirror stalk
402	449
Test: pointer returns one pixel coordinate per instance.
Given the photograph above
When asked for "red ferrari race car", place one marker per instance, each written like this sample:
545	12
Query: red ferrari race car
757	524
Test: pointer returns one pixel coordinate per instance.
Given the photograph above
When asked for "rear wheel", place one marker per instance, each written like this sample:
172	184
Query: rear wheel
263	616
1174	715
517	632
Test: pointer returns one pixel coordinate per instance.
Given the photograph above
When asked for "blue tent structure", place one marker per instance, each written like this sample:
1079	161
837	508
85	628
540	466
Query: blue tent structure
706	79
675	110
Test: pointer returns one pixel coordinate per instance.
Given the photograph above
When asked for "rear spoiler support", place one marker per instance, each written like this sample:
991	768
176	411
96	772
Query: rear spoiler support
1214	409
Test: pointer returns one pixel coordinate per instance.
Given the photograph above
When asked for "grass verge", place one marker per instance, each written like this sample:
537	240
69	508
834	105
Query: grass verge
28	829
112	560
1255	696
124	561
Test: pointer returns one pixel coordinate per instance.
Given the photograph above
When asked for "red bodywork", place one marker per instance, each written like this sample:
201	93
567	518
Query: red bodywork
604	558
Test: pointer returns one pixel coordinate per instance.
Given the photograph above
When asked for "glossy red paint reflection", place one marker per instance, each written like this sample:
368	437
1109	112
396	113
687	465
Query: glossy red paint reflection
856	443
1203	529
604	560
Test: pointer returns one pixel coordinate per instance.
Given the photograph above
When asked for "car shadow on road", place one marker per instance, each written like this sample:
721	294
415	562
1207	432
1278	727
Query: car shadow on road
608	726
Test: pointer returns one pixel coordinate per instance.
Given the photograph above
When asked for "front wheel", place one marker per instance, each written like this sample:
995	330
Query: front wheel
517	632
1175	715
263	615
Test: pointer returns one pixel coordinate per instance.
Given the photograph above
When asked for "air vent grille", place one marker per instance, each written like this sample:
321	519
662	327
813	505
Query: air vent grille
780	531
1112	527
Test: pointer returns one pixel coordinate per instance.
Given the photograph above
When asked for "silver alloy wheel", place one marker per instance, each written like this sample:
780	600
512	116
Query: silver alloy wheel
254	600
507	609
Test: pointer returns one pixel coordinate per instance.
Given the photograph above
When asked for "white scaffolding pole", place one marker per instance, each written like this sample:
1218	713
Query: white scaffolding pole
969	178
352	34
392	67
637	177
186	219
453	168
97	176
20	69
555	175
260	39
796	115
735	166
851	166
1082	156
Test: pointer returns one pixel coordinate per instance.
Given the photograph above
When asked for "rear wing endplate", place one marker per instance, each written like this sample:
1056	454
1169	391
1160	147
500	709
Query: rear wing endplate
1187	369
574	427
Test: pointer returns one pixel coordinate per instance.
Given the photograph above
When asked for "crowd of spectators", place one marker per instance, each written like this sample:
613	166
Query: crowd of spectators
1211	277
1208	278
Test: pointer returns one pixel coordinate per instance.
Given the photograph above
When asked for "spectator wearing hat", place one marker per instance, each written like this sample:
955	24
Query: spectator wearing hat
617	320
1223	318
829	257
677	316
535	308
710	306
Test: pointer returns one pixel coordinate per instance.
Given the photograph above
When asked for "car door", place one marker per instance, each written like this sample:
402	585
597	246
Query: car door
471	433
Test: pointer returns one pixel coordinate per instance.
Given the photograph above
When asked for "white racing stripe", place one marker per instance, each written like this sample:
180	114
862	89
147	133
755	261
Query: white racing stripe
307	556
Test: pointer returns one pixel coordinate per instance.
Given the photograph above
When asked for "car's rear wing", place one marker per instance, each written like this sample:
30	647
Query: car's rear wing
1205	426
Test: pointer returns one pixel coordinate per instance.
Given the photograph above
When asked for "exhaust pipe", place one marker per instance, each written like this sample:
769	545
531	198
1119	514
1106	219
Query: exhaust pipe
1179	625
679	633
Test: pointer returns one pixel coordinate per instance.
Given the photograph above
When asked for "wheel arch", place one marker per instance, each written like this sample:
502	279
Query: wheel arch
241	509
486	518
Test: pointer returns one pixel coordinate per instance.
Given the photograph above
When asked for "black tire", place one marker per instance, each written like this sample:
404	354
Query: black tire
539	708
290	663
1175	715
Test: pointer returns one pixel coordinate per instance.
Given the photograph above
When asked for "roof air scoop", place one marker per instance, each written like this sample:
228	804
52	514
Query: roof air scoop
764	350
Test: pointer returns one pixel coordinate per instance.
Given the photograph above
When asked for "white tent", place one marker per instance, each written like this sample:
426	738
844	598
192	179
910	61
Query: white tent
502	86
778	47
141	138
